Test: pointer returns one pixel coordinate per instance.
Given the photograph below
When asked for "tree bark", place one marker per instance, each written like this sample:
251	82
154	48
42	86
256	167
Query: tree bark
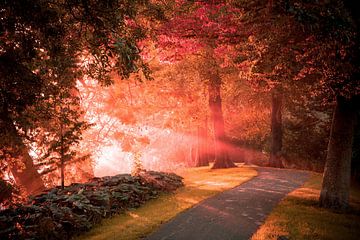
336	179
194	154
222	159
62	171
25	173
20	162
202	157
22	166
355	160
276	129
62	153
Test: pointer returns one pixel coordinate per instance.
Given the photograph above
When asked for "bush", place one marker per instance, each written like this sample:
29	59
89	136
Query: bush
60	214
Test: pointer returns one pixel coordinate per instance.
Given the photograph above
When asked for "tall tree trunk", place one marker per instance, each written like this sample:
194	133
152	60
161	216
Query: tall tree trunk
355	160
336	179
194	154
25	173
62	172
20	162
202	157
276	129
62	154
222	159
22	166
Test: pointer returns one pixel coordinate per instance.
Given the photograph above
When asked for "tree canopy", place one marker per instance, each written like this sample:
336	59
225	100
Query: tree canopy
265	74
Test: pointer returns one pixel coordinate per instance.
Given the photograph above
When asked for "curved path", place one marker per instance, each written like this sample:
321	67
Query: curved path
235	214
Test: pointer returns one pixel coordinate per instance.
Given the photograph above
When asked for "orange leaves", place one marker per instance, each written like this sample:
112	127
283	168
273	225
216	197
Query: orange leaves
119	135
144	140
131	142
127	143
126	117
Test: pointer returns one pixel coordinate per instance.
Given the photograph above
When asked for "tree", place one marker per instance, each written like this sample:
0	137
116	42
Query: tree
337	173
206	29
276	129
276	119
222	159
90	37
19	89
328	49
270	56
336	54
63	131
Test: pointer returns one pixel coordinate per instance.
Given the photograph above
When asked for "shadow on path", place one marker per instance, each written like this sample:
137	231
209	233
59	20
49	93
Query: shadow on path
235	214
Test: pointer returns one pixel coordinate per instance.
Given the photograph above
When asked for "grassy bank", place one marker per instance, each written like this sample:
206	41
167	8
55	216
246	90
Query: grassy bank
200	183
298	216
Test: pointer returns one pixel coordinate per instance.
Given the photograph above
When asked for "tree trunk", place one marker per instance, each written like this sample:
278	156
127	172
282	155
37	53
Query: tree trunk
202	157
336	179
355	160
25	173
62	155
22	166
222	159
62	173
195	154
276	130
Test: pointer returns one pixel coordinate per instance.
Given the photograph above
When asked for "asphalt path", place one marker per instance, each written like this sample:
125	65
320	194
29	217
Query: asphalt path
235	214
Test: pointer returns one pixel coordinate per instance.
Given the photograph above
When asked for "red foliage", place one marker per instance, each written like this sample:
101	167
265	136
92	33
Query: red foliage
214	24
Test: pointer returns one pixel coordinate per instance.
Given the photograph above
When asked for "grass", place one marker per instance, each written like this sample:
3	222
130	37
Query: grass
200	183
299	216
